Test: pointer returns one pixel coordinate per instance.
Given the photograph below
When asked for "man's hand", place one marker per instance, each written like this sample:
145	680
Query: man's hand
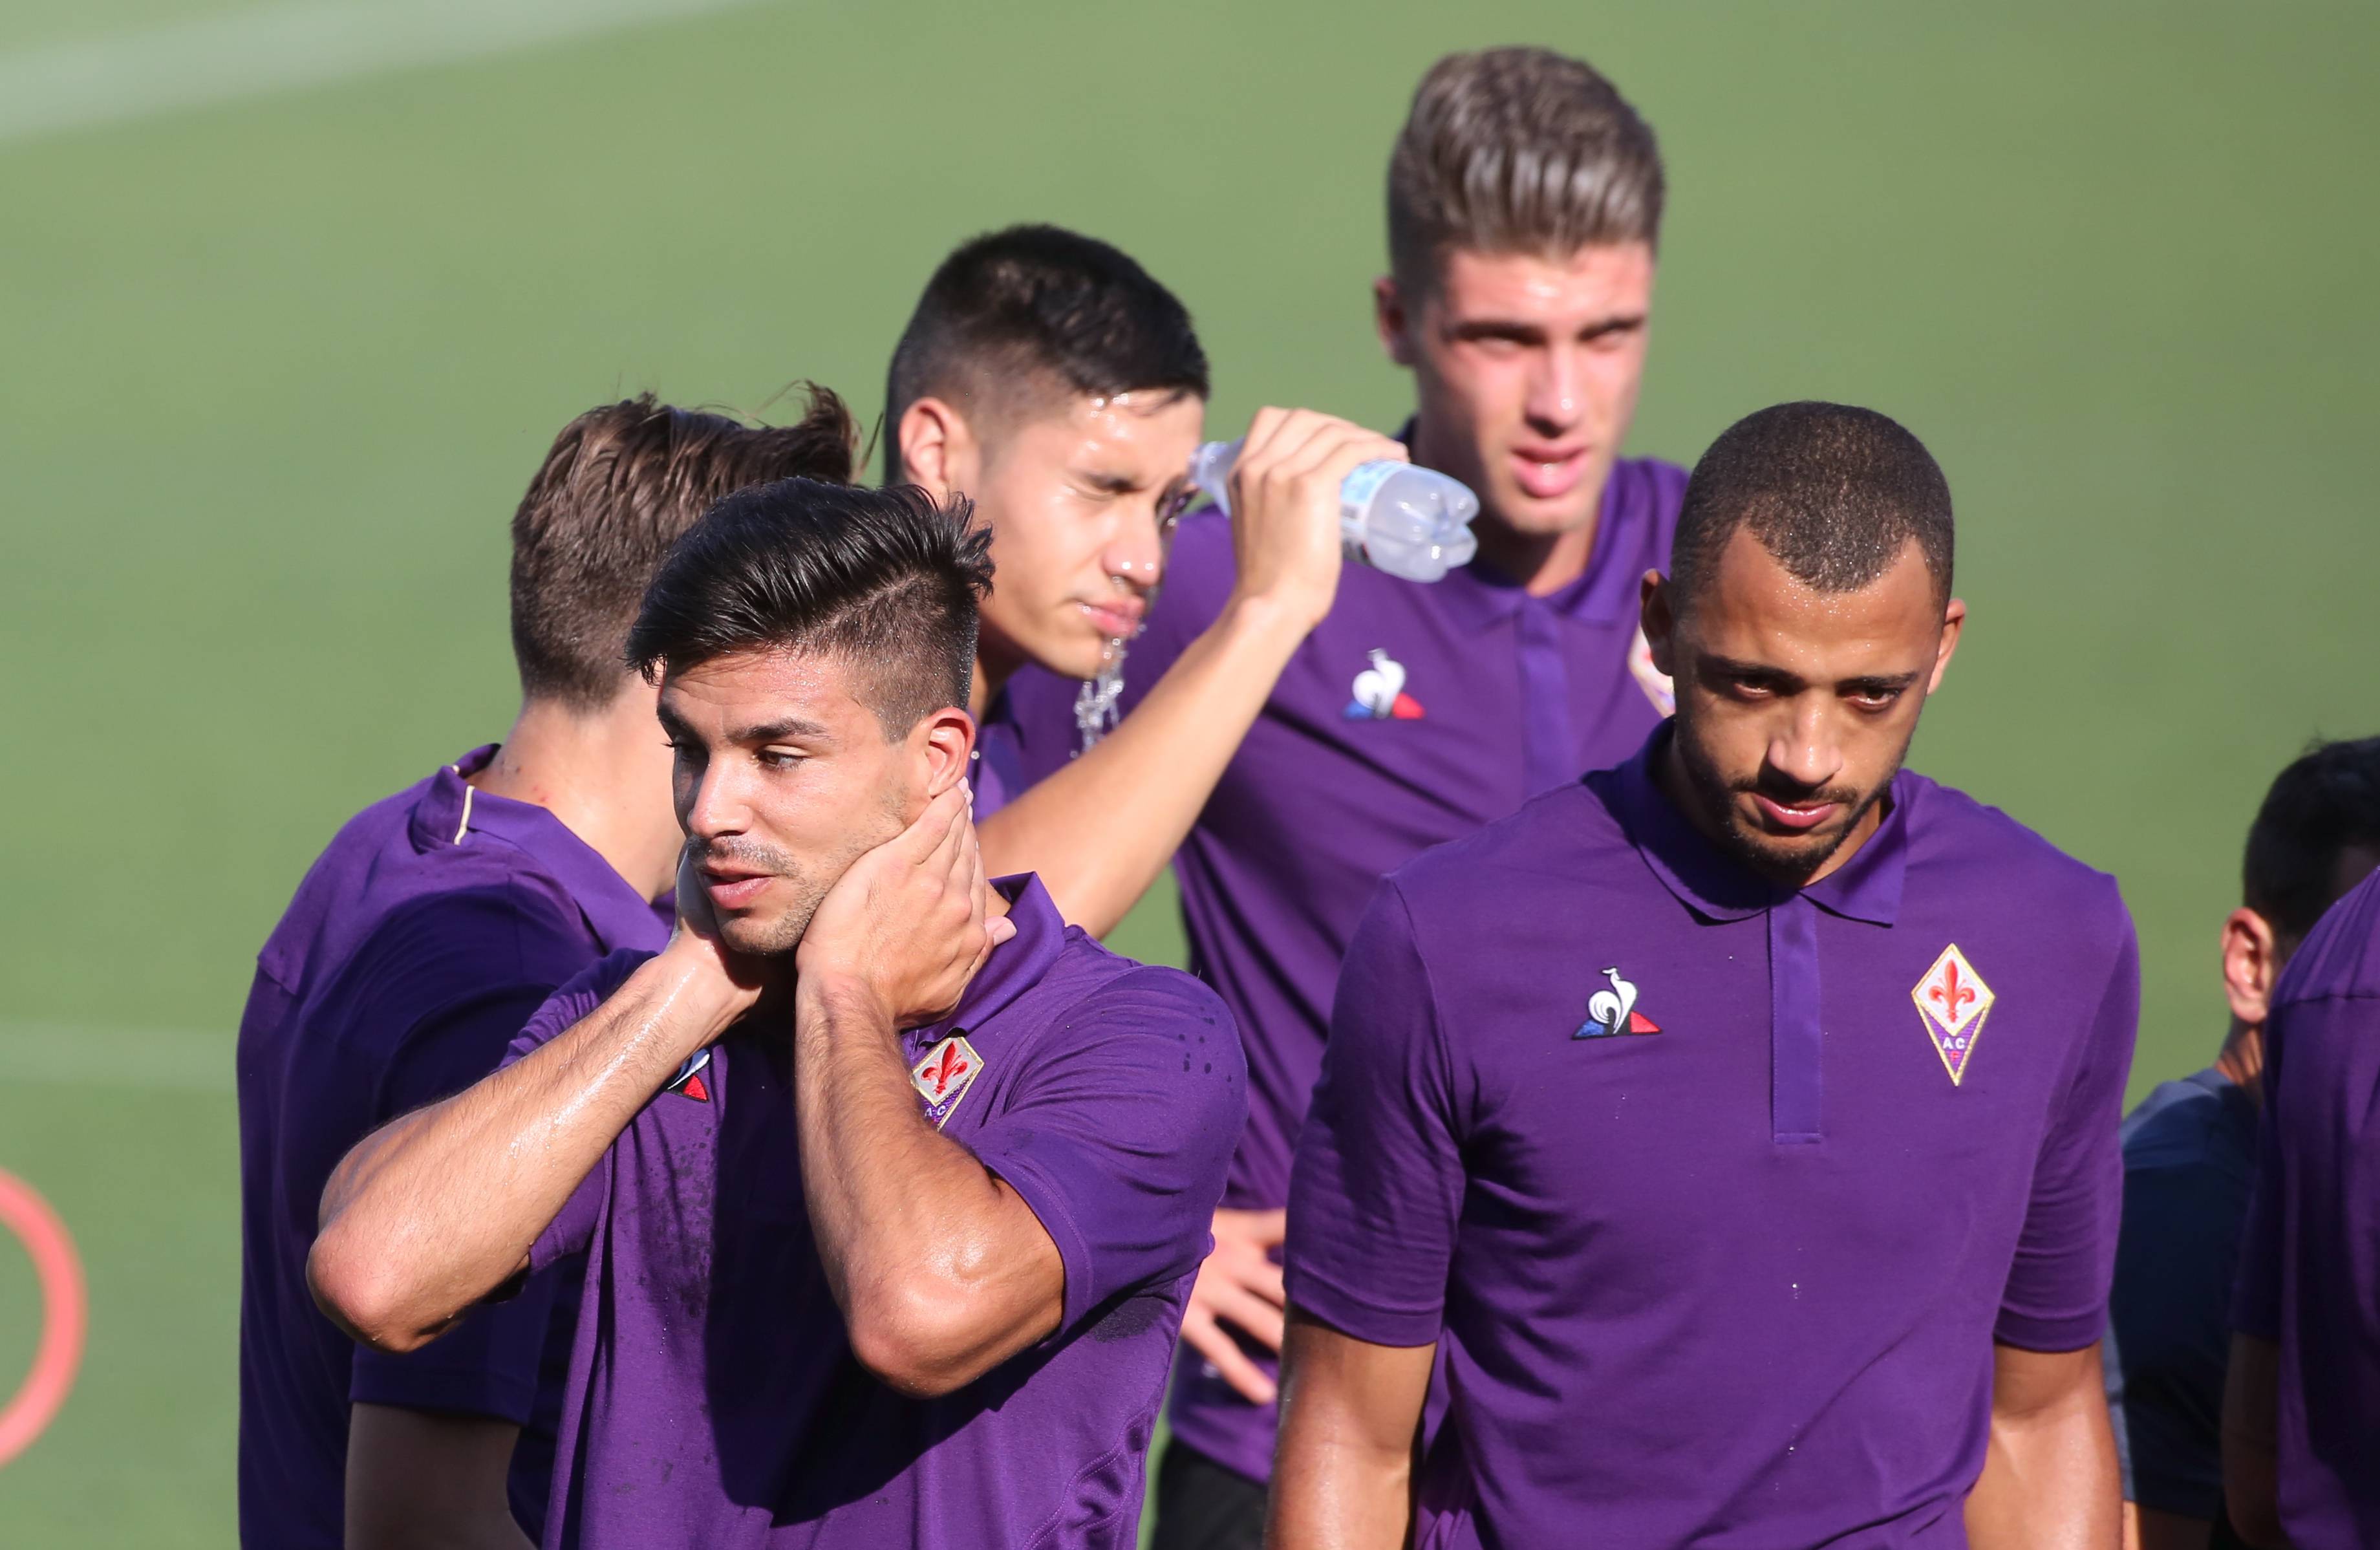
911	921
695	944
1285	505
1239	1284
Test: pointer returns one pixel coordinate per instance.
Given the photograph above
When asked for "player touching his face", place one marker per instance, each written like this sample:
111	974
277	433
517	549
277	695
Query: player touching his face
890	1184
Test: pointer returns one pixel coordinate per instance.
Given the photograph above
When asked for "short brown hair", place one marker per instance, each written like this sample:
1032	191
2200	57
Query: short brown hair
1518	151
618	486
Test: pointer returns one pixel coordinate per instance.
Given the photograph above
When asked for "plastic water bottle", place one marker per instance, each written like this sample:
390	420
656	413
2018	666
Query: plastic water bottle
1408	521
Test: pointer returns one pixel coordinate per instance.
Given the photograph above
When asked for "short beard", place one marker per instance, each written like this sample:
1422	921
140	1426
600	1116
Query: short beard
1783	861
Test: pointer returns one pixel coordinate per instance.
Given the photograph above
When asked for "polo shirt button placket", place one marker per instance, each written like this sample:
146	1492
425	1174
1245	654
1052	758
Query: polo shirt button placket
1796	1041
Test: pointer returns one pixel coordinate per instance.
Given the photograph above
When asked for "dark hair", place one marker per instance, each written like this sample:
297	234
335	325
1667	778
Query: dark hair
1518	150
1834	492
619	484
2325	803
885	579
1020	315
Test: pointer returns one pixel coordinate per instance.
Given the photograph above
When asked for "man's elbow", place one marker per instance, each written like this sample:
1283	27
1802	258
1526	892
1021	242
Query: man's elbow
923	1339
356	1291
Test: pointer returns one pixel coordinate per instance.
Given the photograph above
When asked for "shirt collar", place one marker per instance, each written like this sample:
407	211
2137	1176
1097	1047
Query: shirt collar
1716	887
1479	597
1016	965
451	811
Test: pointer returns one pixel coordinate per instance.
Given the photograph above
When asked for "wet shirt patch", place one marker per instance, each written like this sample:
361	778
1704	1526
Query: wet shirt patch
943	1076
1953	1001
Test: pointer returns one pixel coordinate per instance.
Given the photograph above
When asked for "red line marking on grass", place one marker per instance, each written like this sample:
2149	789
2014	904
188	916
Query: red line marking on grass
65	1315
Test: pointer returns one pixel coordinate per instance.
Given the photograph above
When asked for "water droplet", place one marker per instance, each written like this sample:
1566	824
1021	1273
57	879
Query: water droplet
1095	704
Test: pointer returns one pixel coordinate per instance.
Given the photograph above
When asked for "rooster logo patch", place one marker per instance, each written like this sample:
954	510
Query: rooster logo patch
1612	1013
1380	692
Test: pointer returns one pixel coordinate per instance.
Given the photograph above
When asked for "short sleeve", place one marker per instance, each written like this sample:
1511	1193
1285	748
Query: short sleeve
2056	1299
2256	1287
569	1231
1375	1194
1118	1140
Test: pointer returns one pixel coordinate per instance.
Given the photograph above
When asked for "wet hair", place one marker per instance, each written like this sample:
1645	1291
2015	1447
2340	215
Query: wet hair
885	580
1834	492
2325	804
617	487
1518	151
1018	318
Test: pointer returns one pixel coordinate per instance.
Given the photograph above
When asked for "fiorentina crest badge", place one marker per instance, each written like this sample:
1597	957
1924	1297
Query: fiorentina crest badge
1953	1001
945	1075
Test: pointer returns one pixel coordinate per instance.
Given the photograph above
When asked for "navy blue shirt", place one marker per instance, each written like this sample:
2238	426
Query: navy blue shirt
433	927
2190	1163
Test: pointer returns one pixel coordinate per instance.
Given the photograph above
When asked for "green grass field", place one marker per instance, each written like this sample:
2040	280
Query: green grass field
276	368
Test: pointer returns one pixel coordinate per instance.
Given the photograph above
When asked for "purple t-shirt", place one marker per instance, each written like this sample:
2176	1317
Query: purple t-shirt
1719	1194
1413	714
2310	1257
433	927
714	1401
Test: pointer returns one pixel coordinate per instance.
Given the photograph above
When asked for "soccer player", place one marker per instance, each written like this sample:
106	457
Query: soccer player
1524	209
1049	379
891	1239
2302	1400
432	928
2189	1158
1743	1118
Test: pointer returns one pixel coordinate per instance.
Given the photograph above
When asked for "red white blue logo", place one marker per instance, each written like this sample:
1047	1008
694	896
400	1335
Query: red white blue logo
1380	692
688	1080
1612	1014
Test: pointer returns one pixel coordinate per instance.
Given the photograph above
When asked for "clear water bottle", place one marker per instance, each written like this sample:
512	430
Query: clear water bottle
1408	521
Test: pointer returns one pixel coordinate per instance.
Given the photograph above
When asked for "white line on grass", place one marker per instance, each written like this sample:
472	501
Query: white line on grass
78	83
147	1059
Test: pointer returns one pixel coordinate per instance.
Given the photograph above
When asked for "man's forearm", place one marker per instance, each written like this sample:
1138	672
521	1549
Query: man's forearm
939	1270
435	1210
1101	829
2049	1483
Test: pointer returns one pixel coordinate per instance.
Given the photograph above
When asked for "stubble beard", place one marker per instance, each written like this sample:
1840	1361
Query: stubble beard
1790	861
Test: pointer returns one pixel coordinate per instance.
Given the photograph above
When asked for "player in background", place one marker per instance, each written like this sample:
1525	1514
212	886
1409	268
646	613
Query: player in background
896	1182
1050	380
2302	1396
431	929
1743	1118
2190	1159
1524	210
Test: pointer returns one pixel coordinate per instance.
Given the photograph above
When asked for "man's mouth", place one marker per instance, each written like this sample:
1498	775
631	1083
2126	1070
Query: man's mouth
733	890
1795	817
1548	473
1117	618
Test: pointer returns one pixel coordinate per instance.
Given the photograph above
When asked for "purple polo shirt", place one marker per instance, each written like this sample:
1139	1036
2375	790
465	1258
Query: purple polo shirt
1719	1206
2310	1258
436	922
1413	714
715	1400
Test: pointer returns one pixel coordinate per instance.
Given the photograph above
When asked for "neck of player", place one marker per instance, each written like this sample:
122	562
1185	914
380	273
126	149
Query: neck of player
605	774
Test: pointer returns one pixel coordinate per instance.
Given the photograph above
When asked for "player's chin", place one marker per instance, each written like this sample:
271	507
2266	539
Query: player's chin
763	935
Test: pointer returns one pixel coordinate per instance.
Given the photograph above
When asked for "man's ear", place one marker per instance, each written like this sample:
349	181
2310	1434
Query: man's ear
1393	319
937	448
944	744
1655	617
2251	962
1954	621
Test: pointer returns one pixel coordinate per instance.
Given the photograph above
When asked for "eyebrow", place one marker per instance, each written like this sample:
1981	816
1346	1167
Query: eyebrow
1867	682
777	731
1513	328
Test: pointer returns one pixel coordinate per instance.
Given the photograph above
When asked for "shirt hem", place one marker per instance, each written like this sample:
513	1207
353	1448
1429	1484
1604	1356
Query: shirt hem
1351	1314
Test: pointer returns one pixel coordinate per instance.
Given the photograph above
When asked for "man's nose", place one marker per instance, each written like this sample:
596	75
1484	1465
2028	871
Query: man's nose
1135	552
1555	389
1804	752
712	805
